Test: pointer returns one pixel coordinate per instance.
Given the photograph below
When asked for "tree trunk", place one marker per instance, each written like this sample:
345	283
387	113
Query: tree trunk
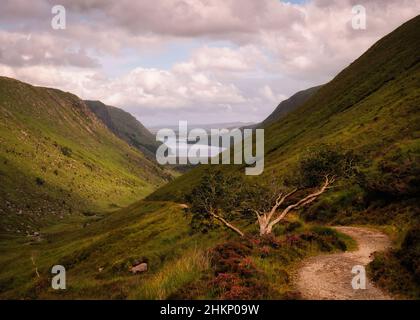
264	224
265	219
227	224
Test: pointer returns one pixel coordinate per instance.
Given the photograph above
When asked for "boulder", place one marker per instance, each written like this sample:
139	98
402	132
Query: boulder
142	267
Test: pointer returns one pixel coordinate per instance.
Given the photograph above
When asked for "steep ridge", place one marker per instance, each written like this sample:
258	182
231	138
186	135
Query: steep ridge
125	126
289	105
378	119
57	158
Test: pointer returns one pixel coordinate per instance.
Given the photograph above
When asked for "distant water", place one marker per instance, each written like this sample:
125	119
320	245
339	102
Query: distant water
209	151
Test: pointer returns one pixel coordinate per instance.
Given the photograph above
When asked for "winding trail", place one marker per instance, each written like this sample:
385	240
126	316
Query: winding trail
329	276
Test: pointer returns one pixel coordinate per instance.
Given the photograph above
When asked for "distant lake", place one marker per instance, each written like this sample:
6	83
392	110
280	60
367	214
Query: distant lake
211	151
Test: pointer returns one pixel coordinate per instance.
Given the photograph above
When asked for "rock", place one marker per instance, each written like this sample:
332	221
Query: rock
36	234
142	267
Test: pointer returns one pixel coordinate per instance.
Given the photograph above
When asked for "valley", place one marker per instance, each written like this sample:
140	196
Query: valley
81	188
58	159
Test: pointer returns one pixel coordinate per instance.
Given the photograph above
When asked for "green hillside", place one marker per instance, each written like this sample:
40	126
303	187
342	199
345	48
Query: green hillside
371	108
289	105
97	256
57	159
125	126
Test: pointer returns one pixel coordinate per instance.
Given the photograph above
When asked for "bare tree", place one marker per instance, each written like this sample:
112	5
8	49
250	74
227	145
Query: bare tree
220	198
265	204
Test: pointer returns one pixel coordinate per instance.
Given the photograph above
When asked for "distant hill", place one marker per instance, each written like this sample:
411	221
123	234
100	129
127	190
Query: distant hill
289	105
125	126
57	158
285	107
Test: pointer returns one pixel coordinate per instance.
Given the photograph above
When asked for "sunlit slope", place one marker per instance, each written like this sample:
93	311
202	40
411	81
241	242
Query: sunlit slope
98	255
372	107
57	158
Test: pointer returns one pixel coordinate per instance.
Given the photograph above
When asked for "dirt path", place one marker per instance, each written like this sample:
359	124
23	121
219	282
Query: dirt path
329	276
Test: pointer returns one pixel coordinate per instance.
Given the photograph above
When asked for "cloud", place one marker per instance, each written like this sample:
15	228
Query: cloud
191	18
145	88
247	55
223	59
19	49
318	47
268	94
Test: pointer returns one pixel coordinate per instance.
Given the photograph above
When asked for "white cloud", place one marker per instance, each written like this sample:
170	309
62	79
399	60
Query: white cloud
223	59
19	49
252	54
267	93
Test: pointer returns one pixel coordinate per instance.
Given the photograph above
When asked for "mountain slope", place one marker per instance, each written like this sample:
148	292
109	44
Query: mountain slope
57	158
371	107
375	113
289	105
125	126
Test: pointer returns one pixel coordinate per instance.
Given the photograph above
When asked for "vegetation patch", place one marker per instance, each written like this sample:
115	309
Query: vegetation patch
398	270
251	267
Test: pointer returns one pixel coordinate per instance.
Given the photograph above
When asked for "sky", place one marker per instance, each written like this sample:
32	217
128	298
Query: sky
204	61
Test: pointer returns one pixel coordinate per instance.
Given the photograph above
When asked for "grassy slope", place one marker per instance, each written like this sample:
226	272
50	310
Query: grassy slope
160	231
125	126
289	105
57	158
371	107
98	253
156	231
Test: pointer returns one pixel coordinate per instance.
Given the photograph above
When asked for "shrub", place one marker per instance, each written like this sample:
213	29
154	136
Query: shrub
293	226
39	181
236	276
321	161
409	254
227	257
325	238
394	176
399	270
265	251
386	271
66	151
